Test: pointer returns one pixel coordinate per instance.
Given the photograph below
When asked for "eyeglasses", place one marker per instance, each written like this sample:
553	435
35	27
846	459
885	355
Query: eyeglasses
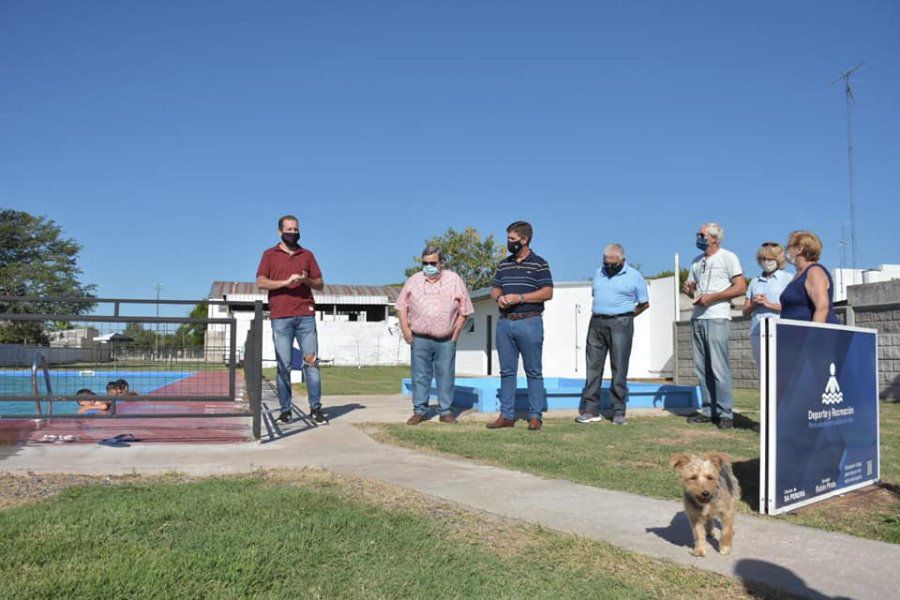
703	265
429	263
770	244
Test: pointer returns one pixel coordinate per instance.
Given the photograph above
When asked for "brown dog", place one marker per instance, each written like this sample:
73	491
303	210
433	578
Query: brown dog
711	491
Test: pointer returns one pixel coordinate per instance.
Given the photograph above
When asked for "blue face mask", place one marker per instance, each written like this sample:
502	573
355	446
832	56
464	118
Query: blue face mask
702	243
431	270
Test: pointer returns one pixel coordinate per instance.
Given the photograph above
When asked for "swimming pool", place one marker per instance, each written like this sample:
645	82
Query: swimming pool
483	394
66	382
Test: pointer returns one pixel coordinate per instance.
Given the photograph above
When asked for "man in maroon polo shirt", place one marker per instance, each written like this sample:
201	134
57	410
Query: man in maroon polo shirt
290	273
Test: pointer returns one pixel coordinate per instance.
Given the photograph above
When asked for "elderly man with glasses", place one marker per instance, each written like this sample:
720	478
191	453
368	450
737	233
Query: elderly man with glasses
715	278
433	306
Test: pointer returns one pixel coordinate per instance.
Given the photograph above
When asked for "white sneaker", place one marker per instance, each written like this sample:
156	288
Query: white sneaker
588	418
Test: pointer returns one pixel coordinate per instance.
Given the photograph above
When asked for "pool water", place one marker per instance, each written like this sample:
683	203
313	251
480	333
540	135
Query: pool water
67	382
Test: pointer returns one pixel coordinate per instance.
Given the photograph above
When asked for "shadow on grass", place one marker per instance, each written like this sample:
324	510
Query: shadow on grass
747	473
744	422
763	579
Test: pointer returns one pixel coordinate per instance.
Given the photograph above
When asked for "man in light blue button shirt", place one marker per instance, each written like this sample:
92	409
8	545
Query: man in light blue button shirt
620	294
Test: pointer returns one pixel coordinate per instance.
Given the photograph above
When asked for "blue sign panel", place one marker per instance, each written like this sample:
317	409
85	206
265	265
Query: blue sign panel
824	439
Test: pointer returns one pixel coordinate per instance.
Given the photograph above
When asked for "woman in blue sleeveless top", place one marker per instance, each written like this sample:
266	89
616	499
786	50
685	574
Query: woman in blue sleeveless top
810	295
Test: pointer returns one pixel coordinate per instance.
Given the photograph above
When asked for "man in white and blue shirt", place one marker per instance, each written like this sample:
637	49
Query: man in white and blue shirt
620	294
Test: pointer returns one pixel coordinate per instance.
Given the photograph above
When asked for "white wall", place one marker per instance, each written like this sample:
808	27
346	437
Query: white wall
353	343
17	355
566	320
348	343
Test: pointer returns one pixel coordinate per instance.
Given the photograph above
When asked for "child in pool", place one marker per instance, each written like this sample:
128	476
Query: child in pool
91	407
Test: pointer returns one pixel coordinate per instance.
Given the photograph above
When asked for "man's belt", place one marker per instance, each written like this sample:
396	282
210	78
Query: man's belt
433	338
521	315
625	314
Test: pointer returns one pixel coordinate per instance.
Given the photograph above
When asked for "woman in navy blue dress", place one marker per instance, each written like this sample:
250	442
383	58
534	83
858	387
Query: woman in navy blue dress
810	294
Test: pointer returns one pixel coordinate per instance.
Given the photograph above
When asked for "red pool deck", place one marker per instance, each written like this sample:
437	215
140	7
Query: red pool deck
176	429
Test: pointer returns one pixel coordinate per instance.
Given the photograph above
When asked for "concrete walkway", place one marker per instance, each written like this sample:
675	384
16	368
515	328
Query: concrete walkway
802	561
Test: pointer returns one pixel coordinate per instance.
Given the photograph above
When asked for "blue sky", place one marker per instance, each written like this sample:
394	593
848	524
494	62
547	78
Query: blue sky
168	137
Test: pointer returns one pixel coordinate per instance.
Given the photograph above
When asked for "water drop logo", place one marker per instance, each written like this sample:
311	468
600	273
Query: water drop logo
832	393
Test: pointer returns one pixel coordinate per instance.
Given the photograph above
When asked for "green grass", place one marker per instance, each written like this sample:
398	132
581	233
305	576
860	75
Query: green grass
348	381
635	458
252	537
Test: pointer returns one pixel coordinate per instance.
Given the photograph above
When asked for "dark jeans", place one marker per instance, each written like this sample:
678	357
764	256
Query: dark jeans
611	336
712	365
524	337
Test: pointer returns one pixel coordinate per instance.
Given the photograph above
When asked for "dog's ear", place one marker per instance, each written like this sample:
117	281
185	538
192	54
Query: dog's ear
678	460
718	458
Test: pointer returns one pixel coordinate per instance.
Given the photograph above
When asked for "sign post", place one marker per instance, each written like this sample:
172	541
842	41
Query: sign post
819	433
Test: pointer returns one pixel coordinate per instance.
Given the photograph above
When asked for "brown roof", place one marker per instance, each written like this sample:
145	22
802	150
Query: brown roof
221	289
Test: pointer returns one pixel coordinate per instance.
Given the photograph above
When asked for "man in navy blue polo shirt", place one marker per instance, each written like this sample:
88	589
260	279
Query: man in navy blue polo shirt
620	294
521	285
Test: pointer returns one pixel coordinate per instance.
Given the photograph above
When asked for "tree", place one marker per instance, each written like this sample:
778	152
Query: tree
473	258
191	335
37	261
682	276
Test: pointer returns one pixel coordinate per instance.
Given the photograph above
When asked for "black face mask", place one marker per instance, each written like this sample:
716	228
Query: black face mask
290	239
514	247
613	269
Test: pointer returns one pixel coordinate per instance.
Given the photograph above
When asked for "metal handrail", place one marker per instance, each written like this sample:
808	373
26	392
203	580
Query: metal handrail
40	360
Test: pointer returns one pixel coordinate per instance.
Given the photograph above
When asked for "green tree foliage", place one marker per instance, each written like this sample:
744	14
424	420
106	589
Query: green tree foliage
36	260
465	252
190	335
142	338
682	276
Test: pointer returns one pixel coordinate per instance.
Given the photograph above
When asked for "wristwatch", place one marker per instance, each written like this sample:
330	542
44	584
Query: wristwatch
521	298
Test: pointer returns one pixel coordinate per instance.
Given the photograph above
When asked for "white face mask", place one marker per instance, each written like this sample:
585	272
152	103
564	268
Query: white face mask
768	266
790	257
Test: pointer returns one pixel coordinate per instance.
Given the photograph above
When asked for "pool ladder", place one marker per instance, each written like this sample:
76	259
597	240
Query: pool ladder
40	362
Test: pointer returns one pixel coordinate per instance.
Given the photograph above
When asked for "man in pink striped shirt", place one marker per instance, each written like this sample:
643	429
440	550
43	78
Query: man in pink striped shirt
433	306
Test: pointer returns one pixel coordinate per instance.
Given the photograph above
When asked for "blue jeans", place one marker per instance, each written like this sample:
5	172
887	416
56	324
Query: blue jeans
524	337
432	358
712	365
284	332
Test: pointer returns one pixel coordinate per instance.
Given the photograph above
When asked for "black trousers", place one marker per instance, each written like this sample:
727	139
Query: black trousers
612	336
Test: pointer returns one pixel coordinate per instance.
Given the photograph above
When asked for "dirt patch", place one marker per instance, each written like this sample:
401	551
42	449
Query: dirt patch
883	498
684	437
19	490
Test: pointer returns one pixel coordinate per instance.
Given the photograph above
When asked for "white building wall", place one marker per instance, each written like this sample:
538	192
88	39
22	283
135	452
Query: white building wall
343	342
346	343
843	278
566	320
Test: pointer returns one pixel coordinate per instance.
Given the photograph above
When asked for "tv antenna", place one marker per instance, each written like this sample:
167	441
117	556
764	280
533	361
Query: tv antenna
848	92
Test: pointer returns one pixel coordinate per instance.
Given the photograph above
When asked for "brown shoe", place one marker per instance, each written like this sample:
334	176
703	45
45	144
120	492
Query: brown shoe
448	418
534	424
500	423
415	419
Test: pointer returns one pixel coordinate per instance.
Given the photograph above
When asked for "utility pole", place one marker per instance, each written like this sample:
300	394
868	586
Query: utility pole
158	287
848	93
